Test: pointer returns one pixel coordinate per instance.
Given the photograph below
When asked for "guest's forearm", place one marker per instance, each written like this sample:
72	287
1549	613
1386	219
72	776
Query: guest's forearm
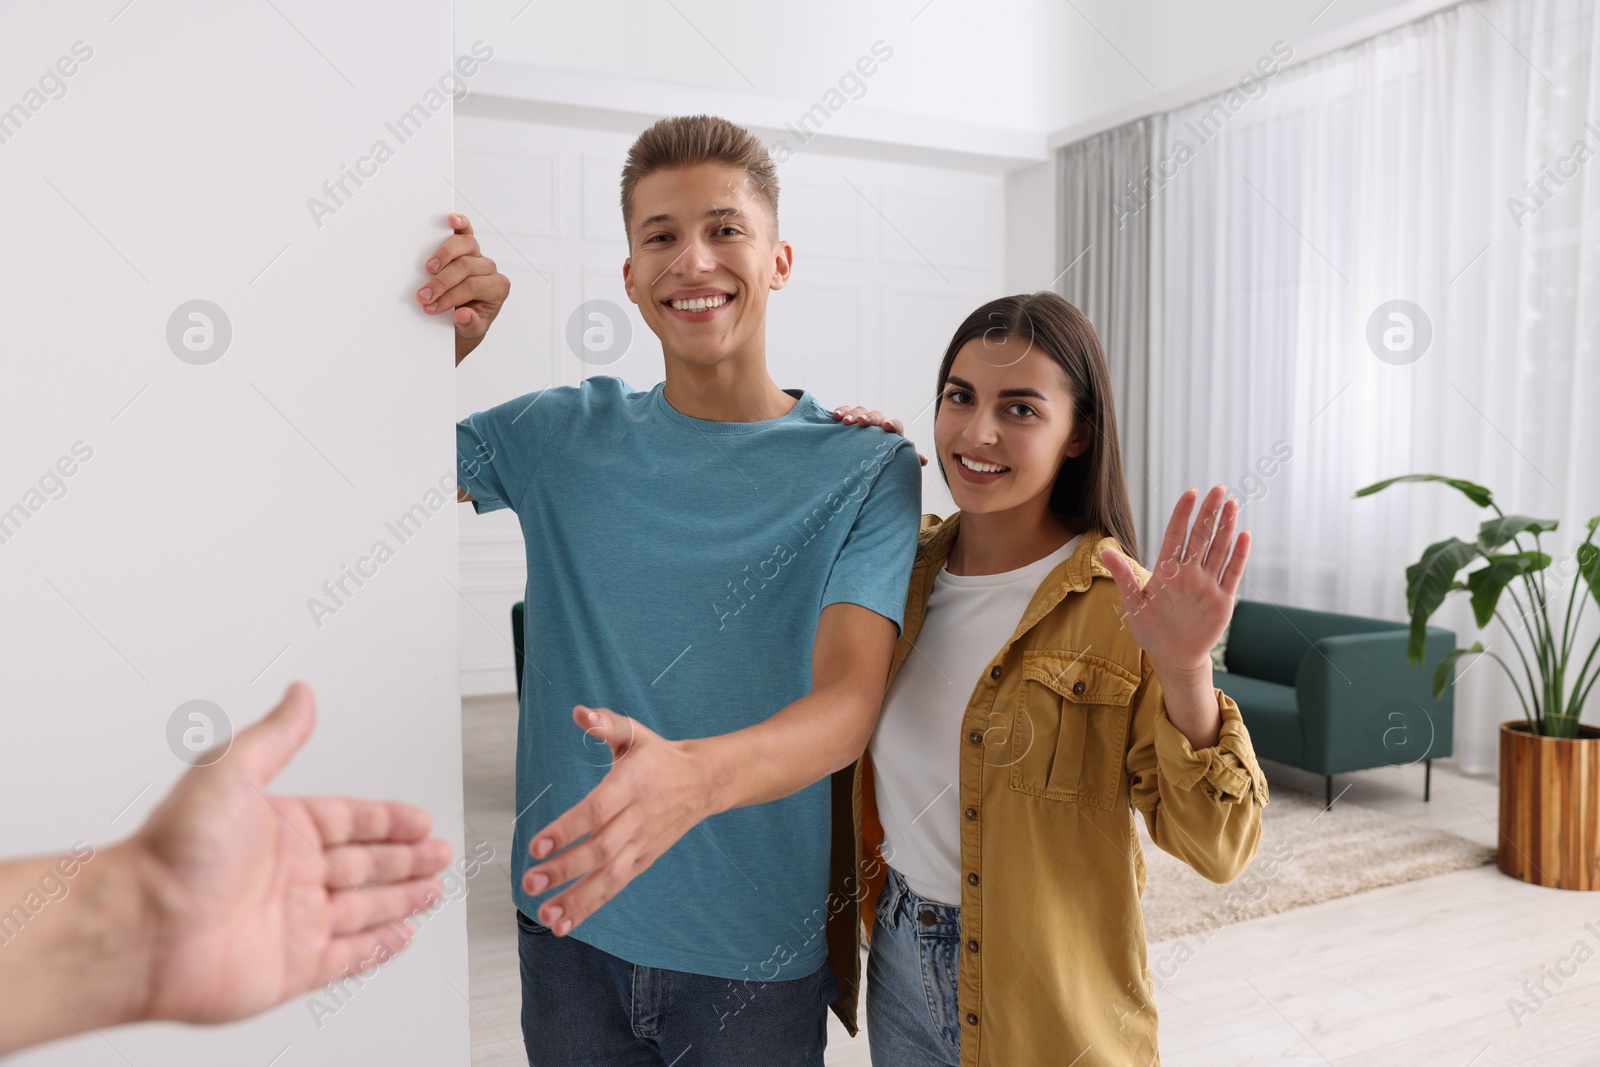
74	951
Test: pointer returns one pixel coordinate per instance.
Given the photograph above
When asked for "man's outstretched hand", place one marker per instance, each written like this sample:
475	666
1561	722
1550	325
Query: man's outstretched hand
228	901
656	791
465	285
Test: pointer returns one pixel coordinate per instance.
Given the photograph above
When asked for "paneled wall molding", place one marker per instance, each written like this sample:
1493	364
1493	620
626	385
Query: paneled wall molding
497	584
493	540
487	678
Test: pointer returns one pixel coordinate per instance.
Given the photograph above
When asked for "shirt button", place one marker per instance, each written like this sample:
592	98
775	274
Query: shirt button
1078	687
976	737
972	879
972	813
972	946
928	918
972	1020
995	673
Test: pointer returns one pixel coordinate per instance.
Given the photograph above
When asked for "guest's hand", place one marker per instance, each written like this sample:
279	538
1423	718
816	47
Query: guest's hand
256	898
228	900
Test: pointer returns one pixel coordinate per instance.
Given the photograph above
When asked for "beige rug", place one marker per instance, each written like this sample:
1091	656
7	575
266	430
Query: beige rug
1307	855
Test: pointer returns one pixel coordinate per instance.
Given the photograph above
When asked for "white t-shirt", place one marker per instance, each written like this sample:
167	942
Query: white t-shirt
916	748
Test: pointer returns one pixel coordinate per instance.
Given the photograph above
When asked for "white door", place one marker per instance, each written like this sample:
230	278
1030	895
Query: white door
217	399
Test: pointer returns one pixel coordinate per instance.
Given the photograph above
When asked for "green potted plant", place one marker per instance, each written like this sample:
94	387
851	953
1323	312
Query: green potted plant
1549	761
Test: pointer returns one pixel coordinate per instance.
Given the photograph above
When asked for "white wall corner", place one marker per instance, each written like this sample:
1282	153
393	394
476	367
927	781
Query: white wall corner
1031	228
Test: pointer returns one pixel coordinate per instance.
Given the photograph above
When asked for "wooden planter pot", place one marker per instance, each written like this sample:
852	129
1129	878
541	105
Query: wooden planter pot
1550	807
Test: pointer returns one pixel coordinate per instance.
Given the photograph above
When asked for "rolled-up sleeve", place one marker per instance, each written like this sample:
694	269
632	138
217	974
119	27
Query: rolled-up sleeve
1200	805
1228	769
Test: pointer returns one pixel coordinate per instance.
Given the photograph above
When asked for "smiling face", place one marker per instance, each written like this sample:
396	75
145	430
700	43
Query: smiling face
1005	425
704	255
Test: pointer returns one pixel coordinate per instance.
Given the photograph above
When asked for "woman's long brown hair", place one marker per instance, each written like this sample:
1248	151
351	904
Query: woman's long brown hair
1090	491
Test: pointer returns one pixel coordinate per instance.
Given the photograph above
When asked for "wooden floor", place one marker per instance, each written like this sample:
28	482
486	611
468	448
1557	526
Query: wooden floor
1417	975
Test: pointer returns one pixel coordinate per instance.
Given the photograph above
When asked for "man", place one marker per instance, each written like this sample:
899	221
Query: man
716	578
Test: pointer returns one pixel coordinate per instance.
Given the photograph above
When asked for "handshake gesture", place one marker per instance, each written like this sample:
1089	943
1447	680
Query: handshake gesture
226	902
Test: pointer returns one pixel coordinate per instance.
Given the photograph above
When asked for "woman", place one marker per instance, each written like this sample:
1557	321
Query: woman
1055	687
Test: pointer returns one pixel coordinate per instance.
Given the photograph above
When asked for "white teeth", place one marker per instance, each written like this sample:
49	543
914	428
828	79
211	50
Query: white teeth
700	303
982	468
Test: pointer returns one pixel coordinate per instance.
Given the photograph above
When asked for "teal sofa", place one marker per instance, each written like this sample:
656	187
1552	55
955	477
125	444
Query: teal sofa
1333	693
517	655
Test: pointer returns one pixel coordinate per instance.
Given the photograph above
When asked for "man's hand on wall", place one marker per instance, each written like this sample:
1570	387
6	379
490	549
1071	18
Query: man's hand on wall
465	284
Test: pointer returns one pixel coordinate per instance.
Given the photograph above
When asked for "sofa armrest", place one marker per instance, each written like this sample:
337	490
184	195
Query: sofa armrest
518	653
1362	705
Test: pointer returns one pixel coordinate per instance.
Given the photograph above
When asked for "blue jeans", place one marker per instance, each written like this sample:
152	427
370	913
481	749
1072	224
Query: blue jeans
582	1007
913	1019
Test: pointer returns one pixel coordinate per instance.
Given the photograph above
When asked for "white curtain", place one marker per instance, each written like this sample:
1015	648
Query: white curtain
1105	273
1391	170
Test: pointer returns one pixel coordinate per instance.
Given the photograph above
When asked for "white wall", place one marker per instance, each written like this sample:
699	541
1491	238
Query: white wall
1031	229
176	165
889	258
1019	64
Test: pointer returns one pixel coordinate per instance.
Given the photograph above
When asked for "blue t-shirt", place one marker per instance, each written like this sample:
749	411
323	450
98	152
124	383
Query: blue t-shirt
676	572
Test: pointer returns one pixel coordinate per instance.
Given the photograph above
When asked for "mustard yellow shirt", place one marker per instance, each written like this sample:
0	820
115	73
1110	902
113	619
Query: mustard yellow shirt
1066	735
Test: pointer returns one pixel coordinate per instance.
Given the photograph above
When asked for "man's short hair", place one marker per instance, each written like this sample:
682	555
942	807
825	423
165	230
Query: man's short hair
689	140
